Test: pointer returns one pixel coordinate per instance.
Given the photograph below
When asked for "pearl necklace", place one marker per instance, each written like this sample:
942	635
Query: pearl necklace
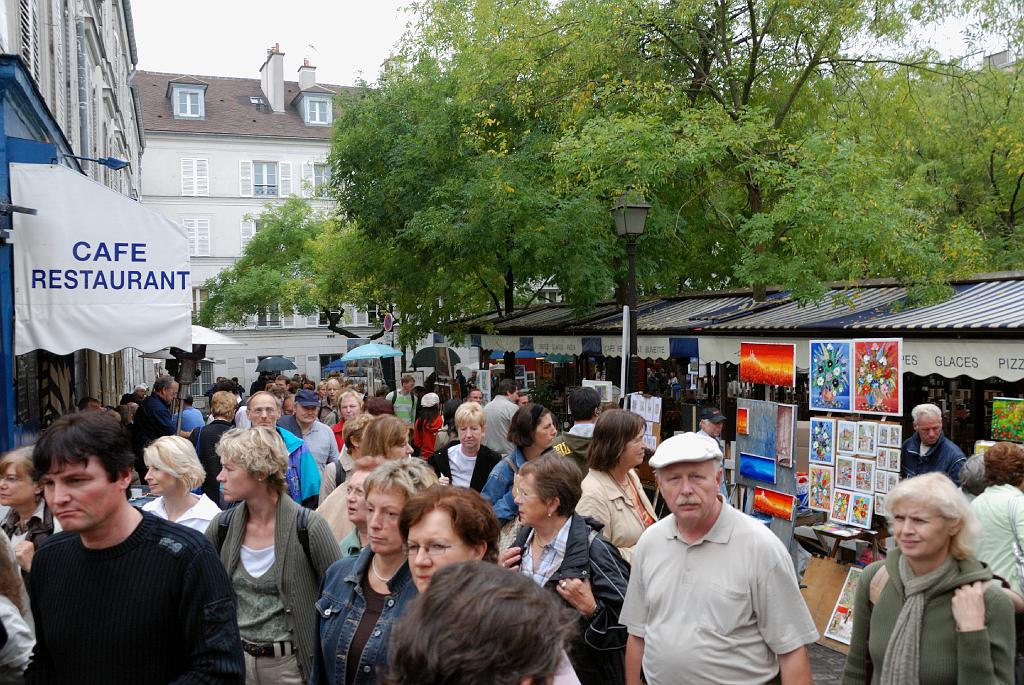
373	570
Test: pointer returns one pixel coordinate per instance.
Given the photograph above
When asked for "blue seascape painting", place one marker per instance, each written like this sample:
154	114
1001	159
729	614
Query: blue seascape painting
757	468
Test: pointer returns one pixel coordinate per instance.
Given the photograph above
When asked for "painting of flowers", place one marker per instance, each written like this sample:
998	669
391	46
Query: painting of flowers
1008	419
840	506
830	375
768	363
823	441
820	489
878	376
861	509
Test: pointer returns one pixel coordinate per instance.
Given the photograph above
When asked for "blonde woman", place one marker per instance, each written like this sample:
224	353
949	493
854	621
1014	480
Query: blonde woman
337	472
173	472
275	553
930	613
329	413
350	405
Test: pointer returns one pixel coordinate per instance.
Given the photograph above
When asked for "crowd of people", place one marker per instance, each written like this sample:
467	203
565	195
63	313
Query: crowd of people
352	540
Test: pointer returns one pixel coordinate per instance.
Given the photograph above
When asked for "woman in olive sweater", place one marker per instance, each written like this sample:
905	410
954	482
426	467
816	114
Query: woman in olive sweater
930	612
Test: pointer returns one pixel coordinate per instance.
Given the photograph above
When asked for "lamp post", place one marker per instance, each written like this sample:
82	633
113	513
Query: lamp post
110	162
630	218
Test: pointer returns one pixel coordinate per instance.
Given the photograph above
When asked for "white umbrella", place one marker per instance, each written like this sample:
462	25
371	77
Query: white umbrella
207	336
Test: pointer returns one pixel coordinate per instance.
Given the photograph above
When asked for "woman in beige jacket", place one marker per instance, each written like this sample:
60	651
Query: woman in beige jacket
612	493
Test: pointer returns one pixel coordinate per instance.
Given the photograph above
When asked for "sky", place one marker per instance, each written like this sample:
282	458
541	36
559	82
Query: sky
345	39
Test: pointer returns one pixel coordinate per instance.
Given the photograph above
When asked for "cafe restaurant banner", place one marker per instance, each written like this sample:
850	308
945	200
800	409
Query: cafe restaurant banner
94	269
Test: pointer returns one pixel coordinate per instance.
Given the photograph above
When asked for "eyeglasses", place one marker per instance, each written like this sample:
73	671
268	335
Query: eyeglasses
519	492
435	549
13	479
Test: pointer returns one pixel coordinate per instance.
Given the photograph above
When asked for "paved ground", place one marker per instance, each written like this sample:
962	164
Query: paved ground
826	665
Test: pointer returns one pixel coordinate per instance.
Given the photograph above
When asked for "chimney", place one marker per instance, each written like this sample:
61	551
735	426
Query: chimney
307	75
272	78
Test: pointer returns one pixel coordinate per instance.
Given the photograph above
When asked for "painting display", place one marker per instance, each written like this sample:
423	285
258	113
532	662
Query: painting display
867	438
846	437
1008	419
844	472
819	495
864	475
823	441
603	388
777	504
888	458
762	422
757	468
890	435
841	506
840	624
879	504
768	363
861	509
785	432
831	377
878	376
741	421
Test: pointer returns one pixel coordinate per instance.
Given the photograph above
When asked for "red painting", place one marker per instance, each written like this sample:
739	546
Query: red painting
877	376
741	420
768	363
777	504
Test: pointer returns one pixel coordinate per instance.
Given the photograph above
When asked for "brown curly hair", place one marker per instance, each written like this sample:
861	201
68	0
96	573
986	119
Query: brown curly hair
1004	464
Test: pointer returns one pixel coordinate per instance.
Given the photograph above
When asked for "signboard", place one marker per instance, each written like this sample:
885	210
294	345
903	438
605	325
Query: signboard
95	269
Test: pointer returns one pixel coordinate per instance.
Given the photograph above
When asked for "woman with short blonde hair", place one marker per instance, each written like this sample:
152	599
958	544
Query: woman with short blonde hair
466	462
329	413
387	437
173	472
274	569
929	612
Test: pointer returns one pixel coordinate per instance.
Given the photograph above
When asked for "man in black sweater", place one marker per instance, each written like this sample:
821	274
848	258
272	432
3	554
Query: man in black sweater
121	596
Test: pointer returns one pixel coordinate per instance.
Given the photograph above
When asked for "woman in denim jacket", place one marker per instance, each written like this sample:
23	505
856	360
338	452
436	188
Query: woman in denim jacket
363	597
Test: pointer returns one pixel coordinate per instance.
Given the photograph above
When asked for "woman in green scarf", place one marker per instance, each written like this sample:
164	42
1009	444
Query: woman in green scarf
930	613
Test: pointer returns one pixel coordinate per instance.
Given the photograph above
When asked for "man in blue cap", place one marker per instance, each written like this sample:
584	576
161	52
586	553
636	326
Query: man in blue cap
305	424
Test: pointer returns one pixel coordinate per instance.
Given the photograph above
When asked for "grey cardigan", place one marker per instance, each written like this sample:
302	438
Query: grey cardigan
298	584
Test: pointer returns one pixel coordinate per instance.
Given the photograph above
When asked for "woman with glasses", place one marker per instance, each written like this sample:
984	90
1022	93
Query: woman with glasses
444	525
29	522
564	553
532	430
362	597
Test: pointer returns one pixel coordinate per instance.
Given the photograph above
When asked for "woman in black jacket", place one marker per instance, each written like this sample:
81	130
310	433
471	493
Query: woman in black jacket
466	462
565	553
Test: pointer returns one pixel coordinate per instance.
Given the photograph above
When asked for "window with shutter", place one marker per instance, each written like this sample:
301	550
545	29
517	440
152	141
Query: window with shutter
285	172
188	176
321	176
202	176
57	45
198	236
307	179
264	179
29	20
248	231
245	188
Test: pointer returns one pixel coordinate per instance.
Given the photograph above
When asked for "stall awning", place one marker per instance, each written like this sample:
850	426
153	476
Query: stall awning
94	269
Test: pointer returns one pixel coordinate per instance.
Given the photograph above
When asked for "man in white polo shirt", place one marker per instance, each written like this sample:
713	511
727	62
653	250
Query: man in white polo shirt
713	597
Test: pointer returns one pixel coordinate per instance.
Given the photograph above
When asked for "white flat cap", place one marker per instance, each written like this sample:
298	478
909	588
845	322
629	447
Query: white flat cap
688	447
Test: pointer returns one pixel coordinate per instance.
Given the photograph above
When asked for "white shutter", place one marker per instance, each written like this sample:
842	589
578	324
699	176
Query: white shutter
190	226
202	237
59	73
307	179
30	51
248	231
202	177
245	178
188	176
284	189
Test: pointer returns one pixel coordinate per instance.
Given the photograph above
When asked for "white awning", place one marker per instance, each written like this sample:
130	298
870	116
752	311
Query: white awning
94	269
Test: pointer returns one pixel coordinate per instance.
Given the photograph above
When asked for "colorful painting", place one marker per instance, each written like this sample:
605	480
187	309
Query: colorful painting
981	446
1008	419
820	494
785	430
823	441
840	624
762	420
757	468
831	376
741	421
888	459
777	504
846	440
867	438
861	508
890	435
879	504
768	363
880	480
844	472
878	376
864	475
840	506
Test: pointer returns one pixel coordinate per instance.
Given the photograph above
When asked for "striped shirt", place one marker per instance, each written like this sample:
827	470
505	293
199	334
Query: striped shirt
551	555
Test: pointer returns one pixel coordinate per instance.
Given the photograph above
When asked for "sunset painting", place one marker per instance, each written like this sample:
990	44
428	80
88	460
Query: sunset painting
741	420
768	363
777	504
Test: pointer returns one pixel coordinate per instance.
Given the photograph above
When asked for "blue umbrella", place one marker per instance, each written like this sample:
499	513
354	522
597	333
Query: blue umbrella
336	365
370	351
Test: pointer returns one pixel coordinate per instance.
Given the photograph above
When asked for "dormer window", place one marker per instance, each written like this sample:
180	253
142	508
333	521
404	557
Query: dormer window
318	110
188	101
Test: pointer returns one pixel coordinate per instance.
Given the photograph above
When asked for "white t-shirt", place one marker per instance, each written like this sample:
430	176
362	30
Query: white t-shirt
198	517
257	561
462	466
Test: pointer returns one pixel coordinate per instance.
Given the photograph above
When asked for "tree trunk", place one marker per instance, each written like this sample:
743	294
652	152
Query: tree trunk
510	305
754	201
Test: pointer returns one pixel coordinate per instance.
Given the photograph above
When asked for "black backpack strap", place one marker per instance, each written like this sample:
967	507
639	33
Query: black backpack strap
339	474
303	531
222	527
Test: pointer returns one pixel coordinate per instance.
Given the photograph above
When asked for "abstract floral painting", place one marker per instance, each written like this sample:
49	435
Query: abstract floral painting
878	376
841	506
830	375
823	441
861	508
1008	419
777	504
820	489
768	363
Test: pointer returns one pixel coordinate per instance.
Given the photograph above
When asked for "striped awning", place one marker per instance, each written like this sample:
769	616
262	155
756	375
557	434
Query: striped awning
992	305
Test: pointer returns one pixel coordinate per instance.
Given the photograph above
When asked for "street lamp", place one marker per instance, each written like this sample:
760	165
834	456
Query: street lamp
630	218
110	162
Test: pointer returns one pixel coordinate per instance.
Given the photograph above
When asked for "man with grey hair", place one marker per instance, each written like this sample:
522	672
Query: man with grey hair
928	450
713	595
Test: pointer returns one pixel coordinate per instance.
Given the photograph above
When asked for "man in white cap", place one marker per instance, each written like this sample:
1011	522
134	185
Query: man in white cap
713	597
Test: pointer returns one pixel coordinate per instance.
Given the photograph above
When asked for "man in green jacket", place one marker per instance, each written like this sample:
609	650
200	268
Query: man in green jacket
584	405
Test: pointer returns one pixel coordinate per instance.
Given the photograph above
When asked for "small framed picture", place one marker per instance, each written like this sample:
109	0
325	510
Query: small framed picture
867	438
846	437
